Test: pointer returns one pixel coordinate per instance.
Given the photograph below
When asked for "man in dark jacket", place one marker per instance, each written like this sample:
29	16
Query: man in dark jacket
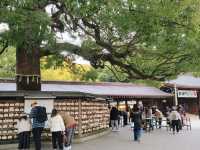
37	127
125	115
114	117
136	118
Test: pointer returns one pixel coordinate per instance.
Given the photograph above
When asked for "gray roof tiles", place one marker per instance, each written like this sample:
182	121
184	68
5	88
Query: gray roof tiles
104	89
185	81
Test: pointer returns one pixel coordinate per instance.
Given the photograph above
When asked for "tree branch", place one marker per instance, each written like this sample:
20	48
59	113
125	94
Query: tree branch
114	73
57	48
164	19
5	45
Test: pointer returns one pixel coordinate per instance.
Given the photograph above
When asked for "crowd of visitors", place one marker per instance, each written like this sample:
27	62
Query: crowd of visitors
148	118
61	124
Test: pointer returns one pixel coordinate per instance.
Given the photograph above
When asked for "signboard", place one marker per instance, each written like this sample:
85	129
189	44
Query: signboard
113	103
48	103
187	93
131	102
122	103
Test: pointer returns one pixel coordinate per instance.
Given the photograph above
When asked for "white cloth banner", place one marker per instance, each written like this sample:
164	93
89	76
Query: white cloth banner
187	93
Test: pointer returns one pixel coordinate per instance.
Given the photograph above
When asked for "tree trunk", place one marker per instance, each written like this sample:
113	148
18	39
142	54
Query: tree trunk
28	69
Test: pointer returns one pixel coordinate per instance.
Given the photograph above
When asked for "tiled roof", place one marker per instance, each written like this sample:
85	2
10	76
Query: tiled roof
185	81
104	89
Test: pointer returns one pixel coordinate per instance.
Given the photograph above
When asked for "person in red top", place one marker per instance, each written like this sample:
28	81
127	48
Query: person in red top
70	125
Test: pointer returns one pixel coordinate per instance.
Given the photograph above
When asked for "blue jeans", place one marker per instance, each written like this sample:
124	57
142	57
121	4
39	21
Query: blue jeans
114	124
69	133
137	134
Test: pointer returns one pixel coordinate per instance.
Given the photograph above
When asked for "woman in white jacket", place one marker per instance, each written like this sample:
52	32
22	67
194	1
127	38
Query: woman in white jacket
24	128
175	120
57	128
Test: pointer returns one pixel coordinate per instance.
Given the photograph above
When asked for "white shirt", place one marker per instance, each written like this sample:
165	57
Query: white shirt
149	113
56	123
23	125
174	115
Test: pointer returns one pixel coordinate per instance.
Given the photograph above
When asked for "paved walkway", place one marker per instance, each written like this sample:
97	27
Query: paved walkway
156	140
159	139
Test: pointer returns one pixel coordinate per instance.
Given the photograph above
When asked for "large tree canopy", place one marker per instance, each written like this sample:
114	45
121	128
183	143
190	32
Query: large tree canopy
7	63
142	39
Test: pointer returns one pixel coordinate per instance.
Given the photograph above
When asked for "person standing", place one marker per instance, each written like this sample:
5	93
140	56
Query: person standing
136	118
149	118
70	127
174	119
23	129
114	117
57	127
158	115
38	123
125	116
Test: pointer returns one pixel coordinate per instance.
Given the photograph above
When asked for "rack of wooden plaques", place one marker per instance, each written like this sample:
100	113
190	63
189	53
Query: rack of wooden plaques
10	111
94	117
70	106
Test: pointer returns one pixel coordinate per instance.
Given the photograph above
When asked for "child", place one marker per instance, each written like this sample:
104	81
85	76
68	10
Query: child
70	125
57	127
24	128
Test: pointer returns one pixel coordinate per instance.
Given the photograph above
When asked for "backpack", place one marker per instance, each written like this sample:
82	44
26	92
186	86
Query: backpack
41	114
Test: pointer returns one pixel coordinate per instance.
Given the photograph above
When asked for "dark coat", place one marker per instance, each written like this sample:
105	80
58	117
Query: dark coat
136	117
114	114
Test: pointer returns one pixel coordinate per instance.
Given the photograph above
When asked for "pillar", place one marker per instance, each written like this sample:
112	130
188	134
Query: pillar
79	118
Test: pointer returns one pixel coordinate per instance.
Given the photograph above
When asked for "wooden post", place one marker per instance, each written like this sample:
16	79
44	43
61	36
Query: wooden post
175	95
126	105
79	118
198	98
117	104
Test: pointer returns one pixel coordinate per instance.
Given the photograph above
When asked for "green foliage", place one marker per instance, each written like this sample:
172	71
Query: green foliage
90	75
106	76
137	39
28	25
52	61
164	36
7	63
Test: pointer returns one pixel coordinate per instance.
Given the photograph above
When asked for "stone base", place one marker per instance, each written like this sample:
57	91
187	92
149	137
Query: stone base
48	143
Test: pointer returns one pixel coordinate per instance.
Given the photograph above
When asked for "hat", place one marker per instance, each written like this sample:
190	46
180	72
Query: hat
34	103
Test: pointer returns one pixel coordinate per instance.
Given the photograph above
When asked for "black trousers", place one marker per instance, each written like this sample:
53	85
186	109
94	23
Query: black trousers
175	125
24	140
57	137
37	132
159	122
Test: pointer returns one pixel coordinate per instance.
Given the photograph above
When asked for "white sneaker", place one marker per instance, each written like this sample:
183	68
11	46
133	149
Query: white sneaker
117	130
65	148
70	147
